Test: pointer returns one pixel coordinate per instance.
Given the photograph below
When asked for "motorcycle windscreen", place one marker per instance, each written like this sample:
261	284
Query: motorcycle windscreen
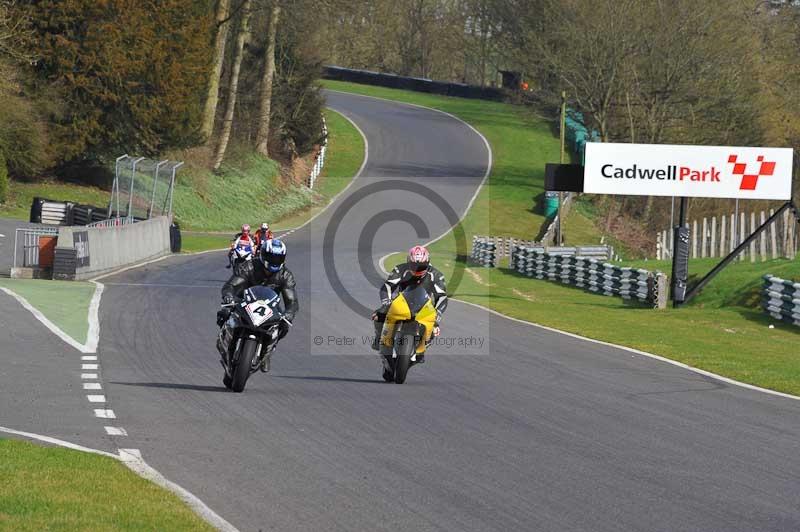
263	305
416	298
260	293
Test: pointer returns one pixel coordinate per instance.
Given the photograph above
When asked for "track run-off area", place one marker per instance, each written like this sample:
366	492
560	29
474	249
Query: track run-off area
506	427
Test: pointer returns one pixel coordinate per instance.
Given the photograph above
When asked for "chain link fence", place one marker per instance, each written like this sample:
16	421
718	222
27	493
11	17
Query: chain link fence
142	188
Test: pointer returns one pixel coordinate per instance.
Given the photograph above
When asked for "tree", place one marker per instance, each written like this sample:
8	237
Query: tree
130	81
212	98
230	105
265	107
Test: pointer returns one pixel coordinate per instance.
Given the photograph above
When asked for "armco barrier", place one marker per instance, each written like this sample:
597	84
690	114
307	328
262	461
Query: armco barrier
781	299
629	283
413	84
84	252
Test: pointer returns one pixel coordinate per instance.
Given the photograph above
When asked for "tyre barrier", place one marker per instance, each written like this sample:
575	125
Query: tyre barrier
781	299
175	237
50	212
632	284
483	246
484	252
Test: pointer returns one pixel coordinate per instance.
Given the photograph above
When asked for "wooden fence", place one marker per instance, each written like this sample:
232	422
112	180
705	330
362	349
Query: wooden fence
719	235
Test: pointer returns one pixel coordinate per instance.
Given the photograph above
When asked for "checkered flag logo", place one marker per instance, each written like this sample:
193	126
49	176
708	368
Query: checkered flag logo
750	180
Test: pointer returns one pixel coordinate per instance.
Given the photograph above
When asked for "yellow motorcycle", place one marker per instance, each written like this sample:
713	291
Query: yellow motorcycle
408	328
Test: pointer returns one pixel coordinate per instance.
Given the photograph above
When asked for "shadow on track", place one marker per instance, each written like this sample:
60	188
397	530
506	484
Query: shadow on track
175	386
333	379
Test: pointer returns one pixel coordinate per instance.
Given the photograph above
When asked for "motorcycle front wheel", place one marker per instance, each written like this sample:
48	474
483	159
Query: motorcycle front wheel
242	370
405	348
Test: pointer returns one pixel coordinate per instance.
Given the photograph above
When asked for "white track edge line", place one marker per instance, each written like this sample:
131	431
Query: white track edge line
55	329
93	335
144	470
660	358
350	184
56	441
132	266
382	260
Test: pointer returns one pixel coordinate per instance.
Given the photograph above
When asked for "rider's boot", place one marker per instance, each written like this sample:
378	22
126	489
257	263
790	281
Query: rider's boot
266	359
388	374
376	340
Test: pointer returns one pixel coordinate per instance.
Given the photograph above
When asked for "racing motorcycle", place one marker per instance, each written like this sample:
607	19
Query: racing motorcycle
407	330
237	256
249	334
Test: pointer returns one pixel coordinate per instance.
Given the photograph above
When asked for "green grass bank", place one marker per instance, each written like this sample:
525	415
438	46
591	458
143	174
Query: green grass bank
723	330
55	489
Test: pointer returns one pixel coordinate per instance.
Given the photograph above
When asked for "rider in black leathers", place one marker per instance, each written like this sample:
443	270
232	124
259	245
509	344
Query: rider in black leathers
269	271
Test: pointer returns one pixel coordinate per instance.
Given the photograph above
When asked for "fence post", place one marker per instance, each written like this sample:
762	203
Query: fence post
740	236
772	237
694	239
704	239
732	245
659	247
722	220
712	251
661	287
763	238
753	242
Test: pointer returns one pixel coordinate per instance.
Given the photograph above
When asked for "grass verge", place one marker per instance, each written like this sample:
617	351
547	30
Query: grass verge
21	194
65	303
723	330
344	157
207	202
46	488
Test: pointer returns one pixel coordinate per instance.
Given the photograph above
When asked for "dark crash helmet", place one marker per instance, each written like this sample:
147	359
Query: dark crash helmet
273	254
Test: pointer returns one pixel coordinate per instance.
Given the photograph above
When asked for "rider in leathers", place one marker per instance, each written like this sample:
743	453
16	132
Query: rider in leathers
268	271
416	270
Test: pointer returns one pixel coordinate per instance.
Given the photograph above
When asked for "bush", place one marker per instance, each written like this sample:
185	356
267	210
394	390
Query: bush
3	179
20	138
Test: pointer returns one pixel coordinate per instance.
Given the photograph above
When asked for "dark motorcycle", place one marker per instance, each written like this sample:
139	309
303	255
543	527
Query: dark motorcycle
237	257
249	334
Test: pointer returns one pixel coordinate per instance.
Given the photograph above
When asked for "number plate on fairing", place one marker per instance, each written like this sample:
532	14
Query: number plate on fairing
259	312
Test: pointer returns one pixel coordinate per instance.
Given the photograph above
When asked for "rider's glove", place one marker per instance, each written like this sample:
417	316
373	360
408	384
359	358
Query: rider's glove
227	299
380	313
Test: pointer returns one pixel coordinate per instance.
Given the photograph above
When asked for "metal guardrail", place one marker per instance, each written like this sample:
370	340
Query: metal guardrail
30	244
596	276
112	222
781	299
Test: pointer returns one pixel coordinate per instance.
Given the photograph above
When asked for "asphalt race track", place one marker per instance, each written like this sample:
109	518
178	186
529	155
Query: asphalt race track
532	430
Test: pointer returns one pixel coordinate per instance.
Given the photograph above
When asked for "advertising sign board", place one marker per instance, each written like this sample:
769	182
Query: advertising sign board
688	171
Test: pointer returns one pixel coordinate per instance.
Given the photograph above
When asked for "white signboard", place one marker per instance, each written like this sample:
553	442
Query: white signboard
690	171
